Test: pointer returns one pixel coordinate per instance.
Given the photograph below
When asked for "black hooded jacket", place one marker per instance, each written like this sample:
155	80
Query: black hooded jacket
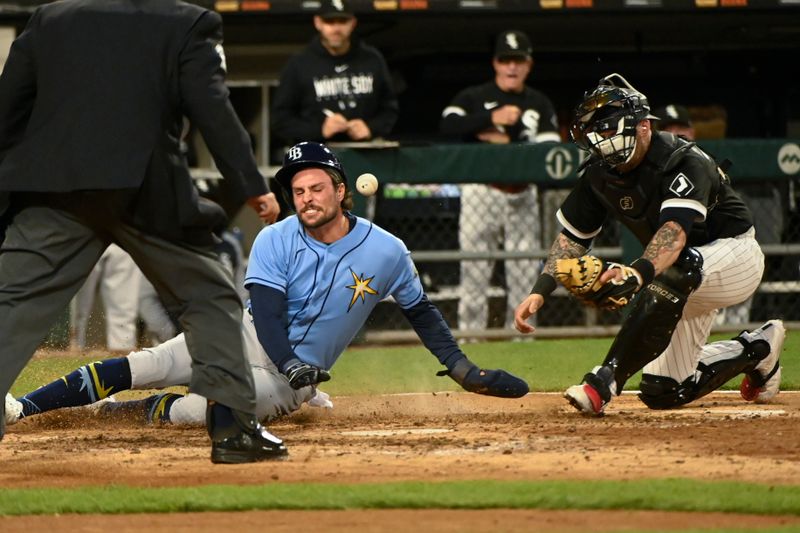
315	83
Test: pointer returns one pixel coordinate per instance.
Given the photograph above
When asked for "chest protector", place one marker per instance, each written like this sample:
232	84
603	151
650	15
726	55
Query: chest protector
635	198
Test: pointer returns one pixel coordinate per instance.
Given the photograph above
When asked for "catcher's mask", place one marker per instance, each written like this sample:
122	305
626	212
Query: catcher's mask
605	121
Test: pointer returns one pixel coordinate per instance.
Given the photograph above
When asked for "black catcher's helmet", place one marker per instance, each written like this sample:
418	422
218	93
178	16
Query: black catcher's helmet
307	155
605	121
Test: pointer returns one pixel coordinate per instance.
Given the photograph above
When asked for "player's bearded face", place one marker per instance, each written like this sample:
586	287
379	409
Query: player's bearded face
316	199
335	33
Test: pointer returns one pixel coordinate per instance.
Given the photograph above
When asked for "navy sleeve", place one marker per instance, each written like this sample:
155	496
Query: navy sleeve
586	243
582	213
684	217
433	331
269	309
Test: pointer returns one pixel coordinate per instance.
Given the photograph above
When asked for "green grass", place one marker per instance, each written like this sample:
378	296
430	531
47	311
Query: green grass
663	495
547	365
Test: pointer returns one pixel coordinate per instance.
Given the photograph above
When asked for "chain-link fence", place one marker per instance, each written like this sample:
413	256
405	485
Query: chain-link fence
479	248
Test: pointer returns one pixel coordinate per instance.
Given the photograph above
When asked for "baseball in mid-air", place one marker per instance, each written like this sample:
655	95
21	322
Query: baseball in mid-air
367	184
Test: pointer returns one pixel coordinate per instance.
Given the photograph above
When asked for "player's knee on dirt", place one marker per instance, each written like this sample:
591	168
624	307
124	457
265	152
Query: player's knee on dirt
189	410
662	392
648	329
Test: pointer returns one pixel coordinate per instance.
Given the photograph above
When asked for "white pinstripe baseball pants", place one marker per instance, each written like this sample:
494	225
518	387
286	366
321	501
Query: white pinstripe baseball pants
488	217
732	270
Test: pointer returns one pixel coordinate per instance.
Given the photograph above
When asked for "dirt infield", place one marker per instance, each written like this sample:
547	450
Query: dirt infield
429	437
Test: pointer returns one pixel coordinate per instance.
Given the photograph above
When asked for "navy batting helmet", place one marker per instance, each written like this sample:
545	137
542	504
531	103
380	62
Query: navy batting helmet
307	155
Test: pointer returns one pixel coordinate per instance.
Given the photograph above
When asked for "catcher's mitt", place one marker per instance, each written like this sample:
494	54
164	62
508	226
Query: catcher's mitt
581	277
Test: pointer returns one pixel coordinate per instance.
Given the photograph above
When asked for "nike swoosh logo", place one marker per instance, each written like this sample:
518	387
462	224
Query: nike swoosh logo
340	68
489	105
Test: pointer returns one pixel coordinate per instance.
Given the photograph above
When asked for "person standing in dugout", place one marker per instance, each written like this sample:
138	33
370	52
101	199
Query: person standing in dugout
338	89
501	111
90	132
700	255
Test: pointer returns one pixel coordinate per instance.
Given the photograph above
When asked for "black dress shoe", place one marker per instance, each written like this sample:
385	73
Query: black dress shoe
238	437
247	447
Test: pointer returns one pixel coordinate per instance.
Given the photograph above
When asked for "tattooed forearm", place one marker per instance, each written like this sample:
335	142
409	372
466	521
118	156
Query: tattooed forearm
665	246
563	248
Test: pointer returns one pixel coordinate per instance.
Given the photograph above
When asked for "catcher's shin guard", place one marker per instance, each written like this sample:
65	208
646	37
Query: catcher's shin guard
660	392
656	310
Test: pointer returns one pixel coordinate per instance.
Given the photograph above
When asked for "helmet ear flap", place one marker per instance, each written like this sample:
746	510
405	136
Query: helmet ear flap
286	194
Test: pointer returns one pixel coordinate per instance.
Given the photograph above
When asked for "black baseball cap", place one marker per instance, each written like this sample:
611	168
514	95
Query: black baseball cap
335	9
673	114
513	43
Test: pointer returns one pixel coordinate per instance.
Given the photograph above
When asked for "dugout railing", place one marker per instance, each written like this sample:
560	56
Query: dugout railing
418	201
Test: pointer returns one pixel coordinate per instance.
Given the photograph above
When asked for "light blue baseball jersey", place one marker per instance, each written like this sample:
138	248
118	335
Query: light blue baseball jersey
331	288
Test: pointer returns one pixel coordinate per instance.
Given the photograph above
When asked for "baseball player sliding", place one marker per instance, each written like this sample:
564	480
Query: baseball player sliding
700	255
313	279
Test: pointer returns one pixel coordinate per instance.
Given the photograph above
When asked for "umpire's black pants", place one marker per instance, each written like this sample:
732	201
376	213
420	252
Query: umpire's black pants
49	250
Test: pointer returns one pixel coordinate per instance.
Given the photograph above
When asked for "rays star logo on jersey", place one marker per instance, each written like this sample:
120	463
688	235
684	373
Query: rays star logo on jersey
360	288
681	185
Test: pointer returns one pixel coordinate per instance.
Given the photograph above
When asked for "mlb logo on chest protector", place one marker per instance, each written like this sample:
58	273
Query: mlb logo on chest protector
626	203
681	185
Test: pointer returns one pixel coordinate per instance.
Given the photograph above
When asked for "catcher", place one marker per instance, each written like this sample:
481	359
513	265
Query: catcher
700	255
314	279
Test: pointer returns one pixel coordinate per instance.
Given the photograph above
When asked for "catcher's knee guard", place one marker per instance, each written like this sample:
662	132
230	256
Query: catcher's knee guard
656	310
661	392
